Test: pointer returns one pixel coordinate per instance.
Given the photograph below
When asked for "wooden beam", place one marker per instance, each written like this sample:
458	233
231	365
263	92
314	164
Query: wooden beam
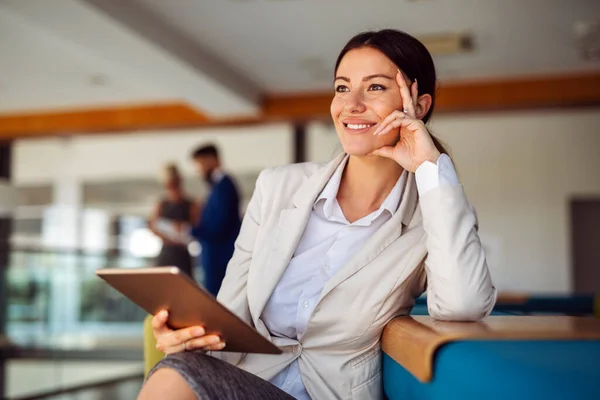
297	106
499	95
114	119
523	93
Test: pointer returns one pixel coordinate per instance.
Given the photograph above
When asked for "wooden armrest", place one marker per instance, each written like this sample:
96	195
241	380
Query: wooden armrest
512	298
413	341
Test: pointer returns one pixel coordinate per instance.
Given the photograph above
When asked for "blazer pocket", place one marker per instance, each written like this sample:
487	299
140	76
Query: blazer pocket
366	382
369	390
366	357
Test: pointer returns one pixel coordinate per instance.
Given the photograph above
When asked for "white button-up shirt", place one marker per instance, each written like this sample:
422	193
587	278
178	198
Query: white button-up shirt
327	243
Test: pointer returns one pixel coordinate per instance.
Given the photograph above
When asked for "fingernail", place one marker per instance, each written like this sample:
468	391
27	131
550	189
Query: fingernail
198	332
221	345
377	130
164	314
215	339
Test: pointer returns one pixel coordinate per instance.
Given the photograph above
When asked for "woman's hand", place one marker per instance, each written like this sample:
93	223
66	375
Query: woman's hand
193	338
415	145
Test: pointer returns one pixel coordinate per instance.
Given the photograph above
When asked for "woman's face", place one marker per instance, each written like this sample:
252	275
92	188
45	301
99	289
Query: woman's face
365	93
172	184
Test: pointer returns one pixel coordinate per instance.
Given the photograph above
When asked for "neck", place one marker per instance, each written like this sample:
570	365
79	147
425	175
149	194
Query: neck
174	195
370	179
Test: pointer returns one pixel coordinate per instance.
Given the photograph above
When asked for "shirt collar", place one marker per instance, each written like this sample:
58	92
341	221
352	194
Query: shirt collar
216	175
328	197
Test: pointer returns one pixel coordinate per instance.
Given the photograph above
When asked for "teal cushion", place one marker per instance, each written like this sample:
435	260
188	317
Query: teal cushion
503	370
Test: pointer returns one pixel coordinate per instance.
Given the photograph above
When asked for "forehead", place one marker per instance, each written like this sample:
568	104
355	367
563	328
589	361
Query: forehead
365	61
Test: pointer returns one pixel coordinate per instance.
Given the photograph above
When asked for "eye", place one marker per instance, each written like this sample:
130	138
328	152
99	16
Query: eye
375	87
341	88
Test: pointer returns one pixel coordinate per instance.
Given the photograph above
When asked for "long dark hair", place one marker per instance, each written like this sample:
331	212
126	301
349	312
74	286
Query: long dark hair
410	55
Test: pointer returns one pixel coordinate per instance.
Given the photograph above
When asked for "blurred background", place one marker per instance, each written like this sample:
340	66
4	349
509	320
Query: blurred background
97	95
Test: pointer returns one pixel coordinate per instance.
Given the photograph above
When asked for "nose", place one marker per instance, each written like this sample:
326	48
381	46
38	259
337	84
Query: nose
354	103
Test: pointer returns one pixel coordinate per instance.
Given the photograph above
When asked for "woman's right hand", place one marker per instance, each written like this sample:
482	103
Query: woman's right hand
171	341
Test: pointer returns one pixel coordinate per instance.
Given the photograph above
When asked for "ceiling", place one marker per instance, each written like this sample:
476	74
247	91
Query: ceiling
221	55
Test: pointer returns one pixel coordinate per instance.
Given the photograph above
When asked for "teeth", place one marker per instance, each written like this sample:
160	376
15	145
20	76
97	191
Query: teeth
358	126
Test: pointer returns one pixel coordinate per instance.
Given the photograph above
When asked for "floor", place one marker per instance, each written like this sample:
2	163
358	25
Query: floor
31	377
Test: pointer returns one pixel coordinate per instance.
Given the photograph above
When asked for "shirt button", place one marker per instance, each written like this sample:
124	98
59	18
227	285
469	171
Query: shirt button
305	304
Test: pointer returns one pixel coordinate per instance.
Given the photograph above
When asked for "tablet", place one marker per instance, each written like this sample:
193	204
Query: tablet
158	288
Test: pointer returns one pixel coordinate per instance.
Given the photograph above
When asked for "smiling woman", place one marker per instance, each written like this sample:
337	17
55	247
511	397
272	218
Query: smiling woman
385	62
328	254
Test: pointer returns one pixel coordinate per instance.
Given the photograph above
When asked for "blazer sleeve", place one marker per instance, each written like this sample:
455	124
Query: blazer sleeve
459	283
214	223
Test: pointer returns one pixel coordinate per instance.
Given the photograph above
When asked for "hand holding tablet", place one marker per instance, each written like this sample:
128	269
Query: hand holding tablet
194	318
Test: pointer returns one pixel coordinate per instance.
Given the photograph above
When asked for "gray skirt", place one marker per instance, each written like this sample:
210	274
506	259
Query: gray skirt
213	379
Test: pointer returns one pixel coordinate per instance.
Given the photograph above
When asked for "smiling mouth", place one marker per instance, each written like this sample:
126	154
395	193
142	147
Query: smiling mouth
359	127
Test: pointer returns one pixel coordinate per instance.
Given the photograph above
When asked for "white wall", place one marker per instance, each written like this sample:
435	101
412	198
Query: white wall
142	155
520	170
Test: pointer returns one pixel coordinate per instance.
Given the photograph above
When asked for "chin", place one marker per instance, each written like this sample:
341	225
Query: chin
358	151
356	147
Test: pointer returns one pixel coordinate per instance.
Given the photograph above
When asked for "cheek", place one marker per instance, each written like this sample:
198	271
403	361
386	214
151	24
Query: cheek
336	107
385	105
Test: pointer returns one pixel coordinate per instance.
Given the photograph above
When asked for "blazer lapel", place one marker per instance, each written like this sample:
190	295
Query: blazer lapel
385	236
290	227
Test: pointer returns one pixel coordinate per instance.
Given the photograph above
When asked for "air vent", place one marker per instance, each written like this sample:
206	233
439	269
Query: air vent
587	36
447	43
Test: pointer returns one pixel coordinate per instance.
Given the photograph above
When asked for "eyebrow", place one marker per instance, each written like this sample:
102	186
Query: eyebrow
366	78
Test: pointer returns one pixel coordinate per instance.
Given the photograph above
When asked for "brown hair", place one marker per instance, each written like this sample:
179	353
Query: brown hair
171	174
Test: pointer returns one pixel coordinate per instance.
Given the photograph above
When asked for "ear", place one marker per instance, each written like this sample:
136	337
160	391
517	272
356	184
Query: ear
423	105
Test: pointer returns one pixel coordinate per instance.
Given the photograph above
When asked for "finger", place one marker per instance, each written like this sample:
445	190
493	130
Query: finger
171	349
169	345
176	338
215	347
159	322
397	124
204	342
395	115
407	103
414	88
385	151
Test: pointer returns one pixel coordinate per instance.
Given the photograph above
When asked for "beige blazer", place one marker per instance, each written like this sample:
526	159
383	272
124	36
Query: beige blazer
431	241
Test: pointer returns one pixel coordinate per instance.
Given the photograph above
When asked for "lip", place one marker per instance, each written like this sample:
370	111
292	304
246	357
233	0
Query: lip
358	121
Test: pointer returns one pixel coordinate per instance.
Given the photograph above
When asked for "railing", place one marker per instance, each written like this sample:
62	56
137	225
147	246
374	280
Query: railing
55	295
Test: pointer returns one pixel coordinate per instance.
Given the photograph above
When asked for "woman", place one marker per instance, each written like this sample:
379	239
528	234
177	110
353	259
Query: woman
328	255
171	220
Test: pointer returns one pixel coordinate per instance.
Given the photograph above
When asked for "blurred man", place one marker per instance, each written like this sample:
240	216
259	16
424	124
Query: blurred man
219	222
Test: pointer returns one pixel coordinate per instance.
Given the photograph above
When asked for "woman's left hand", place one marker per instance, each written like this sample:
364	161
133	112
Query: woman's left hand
415	145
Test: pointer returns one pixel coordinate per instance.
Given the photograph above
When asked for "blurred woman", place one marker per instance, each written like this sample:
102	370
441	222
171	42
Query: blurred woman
171	220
